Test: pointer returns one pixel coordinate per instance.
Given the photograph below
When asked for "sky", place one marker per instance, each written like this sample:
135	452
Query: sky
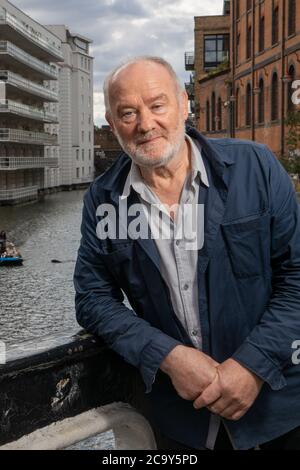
121	29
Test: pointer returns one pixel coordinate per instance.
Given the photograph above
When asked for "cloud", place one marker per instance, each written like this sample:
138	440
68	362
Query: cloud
121	29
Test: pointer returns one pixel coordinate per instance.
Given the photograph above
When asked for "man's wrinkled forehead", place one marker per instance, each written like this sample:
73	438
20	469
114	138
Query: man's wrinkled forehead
140	75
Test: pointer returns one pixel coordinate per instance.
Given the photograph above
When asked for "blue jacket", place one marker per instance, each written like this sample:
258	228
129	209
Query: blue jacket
249	290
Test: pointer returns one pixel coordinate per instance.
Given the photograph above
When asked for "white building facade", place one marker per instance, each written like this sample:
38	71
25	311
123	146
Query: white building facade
29	152
76	123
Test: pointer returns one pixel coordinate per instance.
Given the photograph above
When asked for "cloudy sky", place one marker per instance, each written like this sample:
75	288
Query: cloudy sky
126	28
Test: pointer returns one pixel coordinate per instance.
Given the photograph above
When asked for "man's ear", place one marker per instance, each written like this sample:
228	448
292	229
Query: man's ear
110	121
185	104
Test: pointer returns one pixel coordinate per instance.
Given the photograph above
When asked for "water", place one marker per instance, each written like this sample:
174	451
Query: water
37	298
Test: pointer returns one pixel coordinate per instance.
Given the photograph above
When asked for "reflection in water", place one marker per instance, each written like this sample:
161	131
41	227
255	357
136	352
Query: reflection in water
38	298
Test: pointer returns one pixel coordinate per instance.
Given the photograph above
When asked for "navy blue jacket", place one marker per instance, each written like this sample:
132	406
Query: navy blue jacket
249	290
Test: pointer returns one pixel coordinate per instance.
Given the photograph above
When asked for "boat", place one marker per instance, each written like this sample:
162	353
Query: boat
10	256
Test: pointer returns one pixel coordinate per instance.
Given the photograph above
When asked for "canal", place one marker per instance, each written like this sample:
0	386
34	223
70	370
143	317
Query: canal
38	298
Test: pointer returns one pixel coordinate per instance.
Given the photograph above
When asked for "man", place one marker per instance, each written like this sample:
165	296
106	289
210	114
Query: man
212	328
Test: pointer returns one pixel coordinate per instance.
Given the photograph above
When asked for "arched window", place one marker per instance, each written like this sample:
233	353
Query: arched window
292	17
248	105
249	42
237	108
290	104
275	25
220	124
207	116
237	7
274	97
261	33
249	4
213	111
261	102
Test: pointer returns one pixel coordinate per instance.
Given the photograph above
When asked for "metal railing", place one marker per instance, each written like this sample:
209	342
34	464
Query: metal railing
189	60
20	82
18	193
27	111
9	48
53	49
15	163
27	137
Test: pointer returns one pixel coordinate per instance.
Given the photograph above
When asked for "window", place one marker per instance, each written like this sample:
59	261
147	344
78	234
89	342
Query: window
249	4
82	171
248	105
90	137
207	116
77	154
261	102
81	62
213	111
275	25
290	104
82	100
90	154
274	98
82	154
216	50
82	82
237	108
220	124
90	170
237	8
292	17
77	172
237	49
261	44
249	42
82	136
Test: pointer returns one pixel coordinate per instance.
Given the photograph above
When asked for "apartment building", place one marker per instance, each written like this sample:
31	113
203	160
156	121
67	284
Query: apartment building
29	153
76	123
248	97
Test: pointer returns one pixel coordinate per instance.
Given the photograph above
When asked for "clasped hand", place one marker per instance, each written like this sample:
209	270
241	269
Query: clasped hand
232	392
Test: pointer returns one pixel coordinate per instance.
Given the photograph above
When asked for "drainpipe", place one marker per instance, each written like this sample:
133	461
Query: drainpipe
252	72
232	106
282	123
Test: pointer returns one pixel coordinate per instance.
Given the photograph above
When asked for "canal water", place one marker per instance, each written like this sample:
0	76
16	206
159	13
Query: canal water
38	298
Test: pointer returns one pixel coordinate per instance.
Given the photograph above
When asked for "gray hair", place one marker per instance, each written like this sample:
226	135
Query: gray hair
135	60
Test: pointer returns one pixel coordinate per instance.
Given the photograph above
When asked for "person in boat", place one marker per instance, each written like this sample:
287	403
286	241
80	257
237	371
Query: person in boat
212	327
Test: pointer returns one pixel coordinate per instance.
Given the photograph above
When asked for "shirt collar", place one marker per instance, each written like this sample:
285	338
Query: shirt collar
135	180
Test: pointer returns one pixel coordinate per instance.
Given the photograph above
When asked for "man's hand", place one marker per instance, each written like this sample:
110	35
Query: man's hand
232	392
190	370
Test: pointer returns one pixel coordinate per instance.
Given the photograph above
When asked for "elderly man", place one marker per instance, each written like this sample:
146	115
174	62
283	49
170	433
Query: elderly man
212	326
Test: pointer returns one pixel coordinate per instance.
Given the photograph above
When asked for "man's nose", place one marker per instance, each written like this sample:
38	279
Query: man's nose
145	121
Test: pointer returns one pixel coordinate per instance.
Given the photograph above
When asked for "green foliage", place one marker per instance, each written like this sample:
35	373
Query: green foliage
291	161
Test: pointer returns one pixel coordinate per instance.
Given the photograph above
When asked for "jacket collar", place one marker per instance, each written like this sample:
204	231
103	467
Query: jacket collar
113	180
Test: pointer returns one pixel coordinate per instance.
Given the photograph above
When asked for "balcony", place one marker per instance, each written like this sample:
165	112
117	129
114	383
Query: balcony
27	137
25	37
28	193
189	60
12	55
20	163
21	85
37	114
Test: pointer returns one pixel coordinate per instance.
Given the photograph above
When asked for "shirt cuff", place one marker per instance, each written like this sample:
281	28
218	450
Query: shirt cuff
153	355
256	361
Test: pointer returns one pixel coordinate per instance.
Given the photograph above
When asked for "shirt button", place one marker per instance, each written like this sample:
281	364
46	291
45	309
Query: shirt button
186	286
194	332
177	242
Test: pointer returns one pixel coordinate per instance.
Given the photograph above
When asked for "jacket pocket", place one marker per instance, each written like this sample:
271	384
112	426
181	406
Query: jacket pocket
248	245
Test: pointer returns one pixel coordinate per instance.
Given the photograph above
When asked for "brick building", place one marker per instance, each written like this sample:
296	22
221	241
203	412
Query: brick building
248	97
106	148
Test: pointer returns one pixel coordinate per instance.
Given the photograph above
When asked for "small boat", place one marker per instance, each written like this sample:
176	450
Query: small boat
11	256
